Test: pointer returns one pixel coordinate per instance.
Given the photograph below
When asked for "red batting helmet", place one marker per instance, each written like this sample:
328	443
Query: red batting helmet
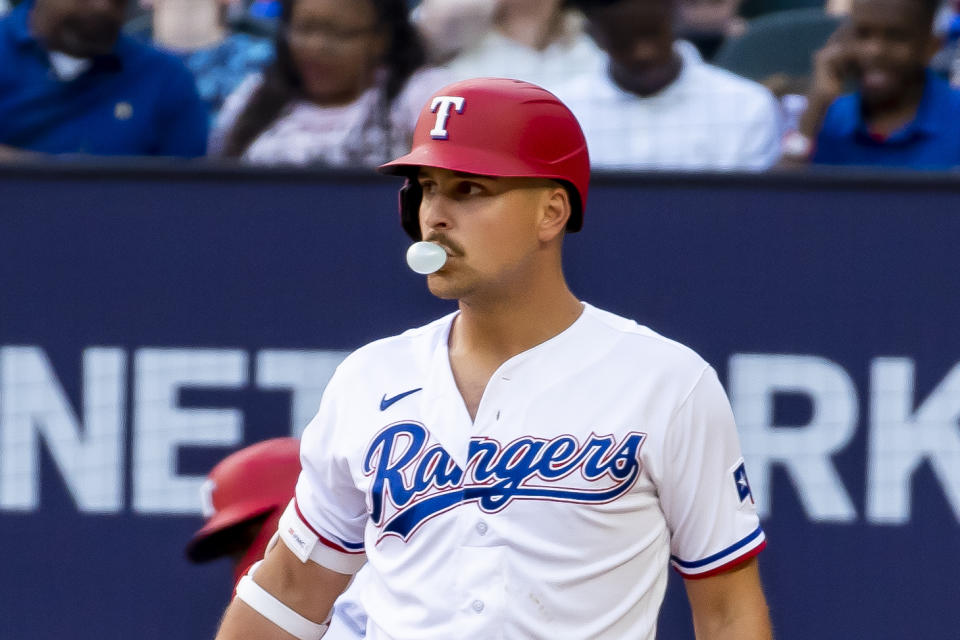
257	481
495	127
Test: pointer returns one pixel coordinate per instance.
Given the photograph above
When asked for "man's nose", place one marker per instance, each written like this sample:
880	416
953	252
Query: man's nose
434	214
873	48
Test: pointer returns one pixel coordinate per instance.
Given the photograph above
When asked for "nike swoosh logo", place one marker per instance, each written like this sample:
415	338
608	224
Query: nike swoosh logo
386	402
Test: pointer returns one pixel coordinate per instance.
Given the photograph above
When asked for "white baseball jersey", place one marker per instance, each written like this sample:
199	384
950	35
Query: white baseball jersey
596	458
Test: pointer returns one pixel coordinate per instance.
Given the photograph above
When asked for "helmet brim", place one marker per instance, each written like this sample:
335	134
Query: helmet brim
480	162
204	544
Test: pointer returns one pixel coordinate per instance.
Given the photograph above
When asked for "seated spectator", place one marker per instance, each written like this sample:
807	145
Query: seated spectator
659	106
539	41
71	83
345	89
901	114
196	31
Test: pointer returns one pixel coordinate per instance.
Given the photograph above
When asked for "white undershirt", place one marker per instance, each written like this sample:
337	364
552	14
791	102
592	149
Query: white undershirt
67	67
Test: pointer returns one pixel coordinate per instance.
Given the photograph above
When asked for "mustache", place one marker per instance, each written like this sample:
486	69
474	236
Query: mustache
440	238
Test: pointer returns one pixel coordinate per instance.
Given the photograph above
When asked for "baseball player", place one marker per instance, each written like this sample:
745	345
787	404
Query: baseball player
243	498
529	465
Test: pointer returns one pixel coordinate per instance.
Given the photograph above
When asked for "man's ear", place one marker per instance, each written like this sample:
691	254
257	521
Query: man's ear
556	210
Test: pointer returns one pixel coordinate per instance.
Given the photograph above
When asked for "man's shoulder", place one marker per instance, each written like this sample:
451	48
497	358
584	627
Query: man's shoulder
945	100
6	25
141	58
640	347
699	80
840	125
716	80
13	32
398	351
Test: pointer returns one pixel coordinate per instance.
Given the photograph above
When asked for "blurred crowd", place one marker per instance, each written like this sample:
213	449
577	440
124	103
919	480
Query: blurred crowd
712	85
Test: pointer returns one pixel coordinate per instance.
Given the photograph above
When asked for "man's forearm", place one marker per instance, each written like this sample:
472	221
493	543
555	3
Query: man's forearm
753	624
730	605
241	622
285	593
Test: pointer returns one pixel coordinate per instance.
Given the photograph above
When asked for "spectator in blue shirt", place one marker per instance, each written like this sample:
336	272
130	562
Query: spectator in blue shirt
901	114
70	83
199	33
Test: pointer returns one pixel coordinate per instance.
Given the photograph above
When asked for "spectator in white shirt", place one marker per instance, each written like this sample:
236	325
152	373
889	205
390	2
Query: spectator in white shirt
345	89
659	106
540	41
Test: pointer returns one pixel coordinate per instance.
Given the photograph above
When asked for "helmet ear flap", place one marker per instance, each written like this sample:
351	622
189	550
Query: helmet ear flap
410	196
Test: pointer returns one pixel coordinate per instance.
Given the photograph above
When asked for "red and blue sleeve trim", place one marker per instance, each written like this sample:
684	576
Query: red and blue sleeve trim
336	544
723	560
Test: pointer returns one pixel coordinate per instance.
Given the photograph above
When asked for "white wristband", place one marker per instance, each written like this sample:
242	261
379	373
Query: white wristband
277	612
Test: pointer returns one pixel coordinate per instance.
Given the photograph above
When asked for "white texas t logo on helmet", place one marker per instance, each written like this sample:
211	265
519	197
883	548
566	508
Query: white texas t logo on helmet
441	106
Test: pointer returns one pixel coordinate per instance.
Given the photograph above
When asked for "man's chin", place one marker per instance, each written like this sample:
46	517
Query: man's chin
443	289
79	47
444	293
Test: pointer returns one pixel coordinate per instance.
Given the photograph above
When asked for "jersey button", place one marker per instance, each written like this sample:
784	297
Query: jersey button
482	528
477	605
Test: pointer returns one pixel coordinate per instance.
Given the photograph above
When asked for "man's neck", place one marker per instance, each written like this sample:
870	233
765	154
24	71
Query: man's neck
187	25
496	330
534	25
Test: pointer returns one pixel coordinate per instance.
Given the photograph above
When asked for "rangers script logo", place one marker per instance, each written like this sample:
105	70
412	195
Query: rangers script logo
413	482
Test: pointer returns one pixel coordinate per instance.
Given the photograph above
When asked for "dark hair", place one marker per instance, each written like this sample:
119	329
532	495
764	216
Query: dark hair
282	84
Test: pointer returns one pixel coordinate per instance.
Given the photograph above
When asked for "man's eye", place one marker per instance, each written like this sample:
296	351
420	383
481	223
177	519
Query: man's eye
428	186
469	188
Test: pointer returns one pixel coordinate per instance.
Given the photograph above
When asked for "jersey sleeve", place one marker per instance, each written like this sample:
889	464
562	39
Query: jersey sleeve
704	491
326	520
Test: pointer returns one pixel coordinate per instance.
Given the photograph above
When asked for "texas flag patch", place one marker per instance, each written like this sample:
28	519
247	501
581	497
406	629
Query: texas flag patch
741	482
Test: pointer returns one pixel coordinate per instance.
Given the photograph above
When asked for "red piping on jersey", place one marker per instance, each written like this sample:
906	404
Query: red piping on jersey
724	567
326	543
